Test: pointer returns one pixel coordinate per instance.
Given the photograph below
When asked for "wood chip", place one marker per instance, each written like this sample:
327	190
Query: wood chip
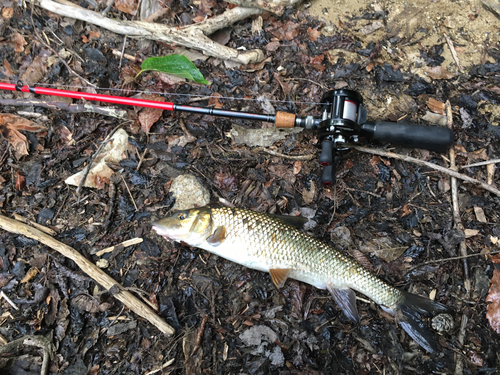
480	214
471	232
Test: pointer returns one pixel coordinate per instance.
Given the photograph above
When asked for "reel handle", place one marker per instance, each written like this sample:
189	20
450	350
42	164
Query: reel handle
432	138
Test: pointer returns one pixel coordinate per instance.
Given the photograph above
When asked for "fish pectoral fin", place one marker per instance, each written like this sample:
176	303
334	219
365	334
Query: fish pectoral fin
346	299
295	221
218	236
279	276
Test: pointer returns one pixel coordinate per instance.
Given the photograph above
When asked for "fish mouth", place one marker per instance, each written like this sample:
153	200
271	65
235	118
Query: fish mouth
160	230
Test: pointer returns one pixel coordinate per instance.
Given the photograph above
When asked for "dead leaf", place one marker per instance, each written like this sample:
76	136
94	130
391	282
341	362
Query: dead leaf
5	278
471	232
297	166
313	34
149	116
214	100
10	127
35	71
436	106
94	34
7	12
180	141
20	182
7	69
384	248
478	155
19	42
493	309
32	272
127	6
113	152
480	216
438	72
65	135
272	46
368	29
308	195
225	182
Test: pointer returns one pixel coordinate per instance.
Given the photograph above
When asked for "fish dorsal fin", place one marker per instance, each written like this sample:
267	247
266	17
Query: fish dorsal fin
346	299
279	276
295	221
218	236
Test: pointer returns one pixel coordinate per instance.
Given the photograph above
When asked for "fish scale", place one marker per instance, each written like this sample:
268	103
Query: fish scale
278	245
273	244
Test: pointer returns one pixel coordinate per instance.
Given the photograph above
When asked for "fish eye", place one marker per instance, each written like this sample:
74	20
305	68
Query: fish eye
181	216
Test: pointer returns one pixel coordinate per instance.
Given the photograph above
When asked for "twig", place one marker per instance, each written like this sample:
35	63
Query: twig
6	298
166	364
192	36
454	53
291	157
487	162
454	258
199	336
71	108
43	228
129	193
410	159
133	241
40	341
40	39
100	277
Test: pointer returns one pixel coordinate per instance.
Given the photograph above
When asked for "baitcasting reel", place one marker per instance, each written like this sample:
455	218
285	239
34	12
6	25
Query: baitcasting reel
344	120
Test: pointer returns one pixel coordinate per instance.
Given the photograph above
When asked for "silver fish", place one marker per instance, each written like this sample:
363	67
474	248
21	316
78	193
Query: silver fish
273	244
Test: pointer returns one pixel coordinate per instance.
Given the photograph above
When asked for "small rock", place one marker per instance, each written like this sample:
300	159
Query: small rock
188	193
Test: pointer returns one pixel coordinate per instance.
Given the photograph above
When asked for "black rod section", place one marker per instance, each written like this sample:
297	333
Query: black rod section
225	113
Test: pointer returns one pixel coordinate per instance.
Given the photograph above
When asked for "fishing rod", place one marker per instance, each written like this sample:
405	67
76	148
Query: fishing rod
343	120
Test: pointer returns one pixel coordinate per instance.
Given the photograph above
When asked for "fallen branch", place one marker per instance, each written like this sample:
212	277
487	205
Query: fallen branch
100	277
71	108
284	156
447	171
192	36
40	341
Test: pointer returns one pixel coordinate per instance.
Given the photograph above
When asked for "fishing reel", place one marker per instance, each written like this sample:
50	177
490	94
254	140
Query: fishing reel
344	120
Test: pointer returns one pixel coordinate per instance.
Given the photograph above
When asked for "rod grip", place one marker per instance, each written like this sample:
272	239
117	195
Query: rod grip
328	177
433	138
284	120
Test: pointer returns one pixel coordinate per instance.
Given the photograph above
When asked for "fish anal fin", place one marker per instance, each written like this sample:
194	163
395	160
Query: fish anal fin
346	299
279	276
218	236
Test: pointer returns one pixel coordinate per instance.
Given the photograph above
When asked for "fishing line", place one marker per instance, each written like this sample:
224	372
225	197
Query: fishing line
163	94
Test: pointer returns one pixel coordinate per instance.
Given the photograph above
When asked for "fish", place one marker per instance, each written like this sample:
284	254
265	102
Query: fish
275	244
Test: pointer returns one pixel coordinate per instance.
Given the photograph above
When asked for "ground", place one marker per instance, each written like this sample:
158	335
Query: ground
396	217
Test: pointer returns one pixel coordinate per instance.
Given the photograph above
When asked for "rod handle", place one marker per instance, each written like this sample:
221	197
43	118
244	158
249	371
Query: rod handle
284	120
433	138
328	177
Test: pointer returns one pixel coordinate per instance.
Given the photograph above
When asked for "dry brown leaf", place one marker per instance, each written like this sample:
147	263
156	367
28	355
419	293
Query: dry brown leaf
149	116
2	180
493	313
180	141
65	135
478	155
19	42
127	6
10	126
384	248
214	100
308	195
438	72
7	69
36	71
20	182
436	106
297	167
7	12
313	34
272	46
32	272
94	34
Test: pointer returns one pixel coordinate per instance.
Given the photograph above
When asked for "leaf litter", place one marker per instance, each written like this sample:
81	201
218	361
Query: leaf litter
381	206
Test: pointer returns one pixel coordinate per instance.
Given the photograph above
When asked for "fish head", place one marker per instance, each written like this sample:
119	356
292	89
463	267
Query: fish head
192	226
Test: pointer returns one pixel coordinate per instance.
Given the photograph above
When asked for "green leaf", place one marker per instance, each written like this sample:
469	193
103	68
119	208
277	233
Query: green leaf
177	65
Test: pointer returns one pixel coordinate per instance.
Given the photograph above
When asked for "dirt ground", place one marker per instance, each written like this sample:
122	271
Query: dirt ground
396	217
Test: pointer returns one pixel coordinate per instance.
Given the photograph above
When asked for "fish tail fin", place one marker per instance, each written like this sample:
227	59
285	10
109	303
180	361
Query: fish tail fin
412	307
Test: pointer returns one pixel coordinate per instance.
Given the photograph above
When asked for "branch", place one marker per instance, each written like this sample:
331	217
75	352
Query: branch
40	341
192	36
100	277
447	171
